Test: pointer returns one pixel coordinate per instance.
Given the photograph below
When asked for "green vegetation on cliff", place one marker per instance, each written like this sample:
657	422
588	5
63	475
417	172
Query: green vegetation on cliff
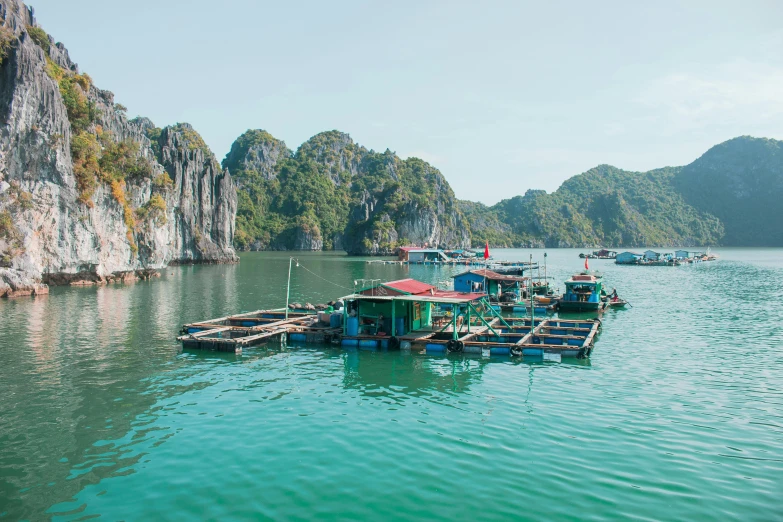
7	39
603	206
332	193
740	182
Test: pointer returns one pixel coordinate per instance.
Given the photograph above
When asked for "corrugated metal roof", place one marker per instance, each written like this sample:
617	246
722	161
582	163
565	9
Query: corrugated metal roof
409	286
441	296
580	278
451	294
494	276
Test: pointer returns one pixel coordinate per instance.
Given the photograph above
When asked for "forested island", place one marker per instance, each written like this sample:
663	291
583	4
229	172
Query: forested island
334	194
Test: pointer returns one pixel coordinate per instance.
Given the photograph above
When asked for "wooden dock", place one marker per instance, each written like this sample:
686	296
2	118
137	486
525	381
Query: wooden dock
234	332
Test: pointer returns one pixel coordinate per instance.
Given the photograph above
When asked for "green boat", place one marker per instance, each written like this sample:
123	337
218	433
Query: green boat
582	294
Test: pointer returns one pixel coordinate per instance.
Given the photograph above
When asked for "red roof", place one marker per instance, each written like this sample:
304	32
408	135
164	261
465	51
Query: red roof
409	286
408	249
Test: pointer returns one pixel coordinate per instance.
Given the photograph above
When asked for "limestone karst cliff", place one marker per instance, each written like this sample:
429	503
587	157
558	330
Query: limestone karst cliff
332	193
87	195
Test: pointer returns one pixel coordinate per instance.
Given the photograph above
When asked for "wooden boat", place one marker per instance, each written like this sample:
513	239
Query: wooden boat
541	288
582	294
620	303
600	254
545	300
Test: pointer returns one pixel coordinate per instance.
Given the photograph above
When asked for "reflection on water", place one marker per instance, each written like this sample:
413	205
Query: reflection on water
678	413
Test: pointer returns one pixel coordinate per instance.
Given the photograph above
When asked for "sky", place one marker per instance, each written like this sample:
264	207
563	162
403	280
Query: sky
501	97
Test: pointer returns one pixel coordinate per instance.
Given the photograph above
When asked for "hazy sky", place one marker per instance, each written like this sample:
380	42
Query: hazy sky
501	97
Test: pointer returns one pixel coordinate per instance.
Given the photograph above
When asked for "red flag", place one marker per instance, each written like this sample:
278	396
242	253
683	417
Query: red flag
486	250
586	266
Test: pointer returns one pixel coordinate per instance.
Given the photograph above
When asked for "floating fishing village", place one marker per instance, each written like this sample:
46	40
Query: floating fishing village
486	312
651	257
491	309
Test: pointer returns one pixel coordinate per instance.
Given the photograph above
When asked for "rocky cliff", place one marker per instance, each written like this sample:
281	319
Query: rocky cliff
87	195
335	194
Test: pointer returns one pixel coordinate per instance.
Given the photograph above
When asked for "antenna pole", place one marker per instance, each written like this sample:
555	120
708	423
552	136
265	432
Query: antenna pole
288	286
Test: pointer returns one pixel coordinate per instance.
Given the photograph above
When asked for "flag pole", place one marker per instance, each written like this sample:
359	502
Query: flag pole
532	307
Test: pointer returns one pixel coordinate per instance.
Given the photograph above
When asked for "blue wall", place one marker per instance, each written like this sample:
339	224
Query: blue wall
462	283
627	257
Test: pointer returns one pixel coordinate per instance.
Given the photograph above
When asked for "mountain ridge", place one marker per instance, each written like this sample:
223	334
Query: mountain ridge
605	205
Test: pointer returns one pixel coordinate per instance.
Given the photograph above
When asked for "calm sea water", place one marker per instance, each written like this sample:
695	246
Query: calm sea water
678	415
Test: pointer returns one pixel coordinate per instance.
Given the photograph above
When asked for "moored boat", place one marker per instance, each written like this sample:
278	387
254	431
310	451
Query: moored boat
582	294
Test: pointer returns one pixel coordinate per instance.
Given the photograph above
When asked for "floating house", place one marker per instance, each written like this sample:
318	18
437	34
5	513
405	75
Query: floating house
600	254
686	254
651	255
628	258
403	252
380	312
422	255
488	282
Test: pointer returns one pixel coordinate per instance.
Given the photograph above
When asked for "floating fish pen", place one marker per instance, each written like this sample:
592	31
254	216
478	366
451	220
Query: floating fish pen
412	318
404	315
235	332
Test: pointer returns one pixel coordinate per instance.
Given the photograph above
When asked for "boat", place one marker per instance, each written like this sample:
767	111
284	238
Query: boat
541	288
619	303
599	254
582	294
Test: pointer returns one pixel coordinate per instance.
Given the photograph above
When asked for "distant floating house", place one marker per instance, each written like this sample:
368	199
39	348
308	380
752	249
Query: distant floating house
422	255
686	254
487	281
403	252
651	255
605	254
629	258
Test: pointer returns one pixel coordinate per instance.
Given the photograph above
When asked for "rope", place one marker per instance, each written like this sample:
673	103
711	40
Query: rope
323	278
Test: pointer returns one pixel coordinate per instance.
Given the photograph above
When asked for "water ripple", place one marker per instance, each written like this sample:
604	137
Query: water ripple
678	414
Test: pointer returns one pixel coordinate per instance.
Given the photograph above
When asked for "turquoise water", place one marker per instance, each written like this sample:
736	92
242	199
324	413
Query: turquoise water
678	414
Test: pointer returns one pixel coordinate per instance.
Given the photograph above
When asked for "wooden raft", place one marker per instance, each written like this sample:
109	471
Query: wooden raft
222	334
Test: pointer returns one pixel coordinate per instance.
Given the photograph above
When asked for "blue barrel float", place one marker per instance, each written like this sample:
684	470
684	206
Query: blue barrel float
499	350
335	320
353	327
399	326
